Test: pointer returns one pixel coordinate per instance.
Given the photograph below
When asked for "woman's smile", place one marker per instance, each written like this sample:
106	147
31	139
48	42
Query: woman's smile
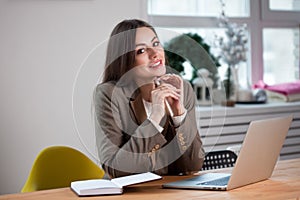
156	64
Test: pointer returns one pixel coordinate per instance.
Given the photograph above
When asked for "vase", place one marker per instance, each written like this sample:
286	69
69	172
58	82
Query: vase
241	93
235	83
231	85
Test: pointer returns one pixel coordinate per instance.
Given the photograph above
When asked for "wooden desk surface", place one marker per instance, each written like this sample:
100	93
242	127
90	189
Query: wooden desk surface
284	184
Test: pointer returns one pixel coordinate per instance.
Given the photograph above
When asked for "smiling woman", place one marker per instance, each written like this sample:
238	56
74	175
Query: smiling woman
148	52
135	132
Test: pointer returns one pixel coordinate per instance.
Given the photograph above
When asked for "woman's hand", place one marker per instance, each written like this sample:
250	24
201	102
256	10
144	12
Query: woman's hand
171	88
159	96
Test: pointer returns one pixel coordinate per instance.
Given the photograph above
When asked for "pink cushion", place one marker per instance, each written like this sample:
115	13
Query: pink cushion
283	88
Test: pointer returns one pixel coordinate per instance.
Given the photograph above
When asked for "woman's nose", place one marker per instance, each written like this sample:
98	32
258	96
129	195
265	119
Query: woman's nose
152	52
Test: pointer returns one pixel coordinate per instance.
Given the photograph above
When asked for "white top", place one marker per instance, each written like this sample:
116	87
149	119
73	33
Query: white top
176	119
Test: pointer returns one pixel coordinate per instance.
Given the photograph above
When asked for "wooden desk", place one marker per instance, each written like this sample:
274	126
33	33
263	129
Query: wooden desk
284	184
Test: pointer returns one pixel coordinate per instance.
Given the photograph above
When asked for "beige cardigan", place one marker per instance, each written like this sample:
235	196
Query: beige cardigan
129	143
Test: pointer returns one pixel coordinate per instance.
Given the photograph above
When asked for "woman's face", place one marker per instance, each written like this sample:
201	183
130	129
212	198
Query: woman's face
149	55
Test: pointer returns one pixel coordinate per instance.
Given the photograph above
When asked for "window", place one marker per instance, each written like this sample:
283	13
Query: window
202	8
272	29
290	5
280	49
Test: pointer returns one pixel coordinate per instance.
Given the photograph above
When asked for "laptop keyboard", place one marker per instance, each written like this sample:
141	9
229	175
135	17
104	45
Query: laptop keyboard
219	182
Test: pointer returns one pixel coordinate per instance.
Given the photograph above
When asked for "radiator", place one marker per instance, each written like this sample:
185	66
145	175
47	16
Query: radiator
225	127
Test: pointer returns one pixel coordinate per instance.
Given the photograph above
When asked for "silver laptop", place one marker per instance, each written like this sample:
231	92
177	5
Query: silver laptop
256	160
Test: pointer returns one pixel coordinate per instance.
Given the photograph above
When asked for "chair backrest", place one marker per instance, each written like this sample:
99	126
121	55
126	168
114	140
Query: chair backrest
219	159
58	166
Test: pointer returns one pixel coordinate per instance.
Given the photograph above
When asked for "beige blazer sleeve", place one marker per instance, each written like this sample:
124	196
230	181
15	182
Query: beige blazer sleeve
188	137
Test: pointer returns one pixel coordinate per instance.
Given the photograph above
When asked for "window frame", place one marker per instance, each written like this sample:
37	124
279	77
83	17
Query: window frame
260	17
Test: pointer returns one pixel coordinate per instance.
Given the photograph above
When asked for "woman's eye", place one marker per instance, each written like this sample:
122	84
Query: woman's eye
140	51
155	44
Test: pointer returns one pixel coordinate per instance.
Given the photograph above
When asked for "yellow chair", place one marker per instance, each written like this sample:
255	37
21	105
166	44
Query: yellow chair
58	166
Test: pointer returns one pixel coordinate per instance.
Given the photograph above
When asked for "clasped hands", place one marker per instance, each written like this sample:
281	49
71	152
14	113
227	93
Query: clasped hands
169	89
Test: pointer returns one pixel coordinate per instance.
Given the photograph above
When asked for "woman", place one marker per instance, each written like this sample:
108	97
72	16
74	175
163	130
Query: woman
145	118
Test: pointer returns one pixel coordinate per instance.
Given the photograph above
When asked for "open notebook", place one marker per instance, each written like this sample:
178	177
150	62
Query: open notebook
113	186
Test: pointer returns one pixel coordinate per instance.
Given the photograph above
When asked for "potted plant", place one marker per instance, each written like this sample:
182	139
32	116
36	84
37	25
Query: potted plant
190	47
232	50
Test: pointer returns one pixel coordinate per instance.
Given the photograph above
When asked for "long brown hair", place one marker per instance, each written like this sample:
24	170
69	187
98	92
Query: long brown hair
120	54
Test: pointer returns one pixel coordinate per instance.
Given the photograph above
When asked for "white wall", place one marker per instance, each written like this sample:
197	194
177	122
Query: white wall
43	44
